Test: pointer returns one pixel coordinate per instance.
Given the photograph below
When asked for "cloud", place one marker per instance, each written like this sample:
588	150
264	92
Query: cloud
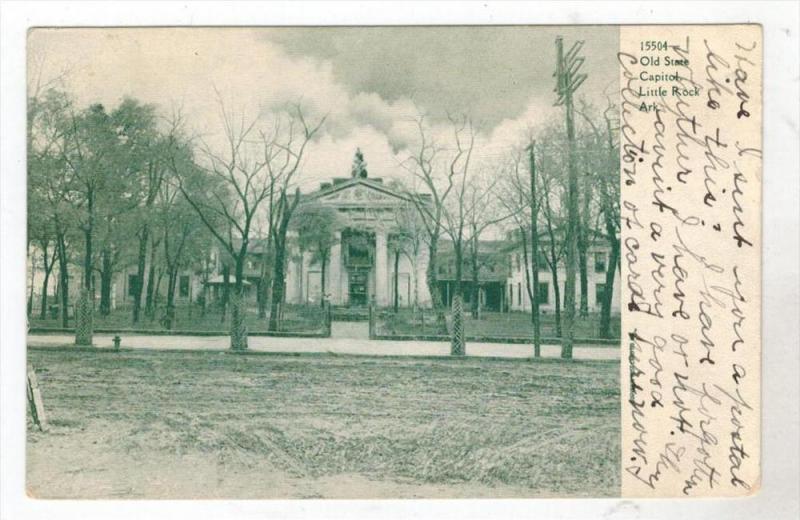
371	84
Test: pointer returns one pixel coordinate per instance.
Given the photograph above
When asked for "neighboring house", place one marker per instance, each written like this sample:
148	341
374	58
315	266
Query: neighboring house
188	287
493	273
597	262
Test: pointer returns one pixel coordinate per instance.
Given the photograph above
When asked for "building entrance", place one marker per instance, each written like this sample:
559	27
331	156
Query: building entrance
358	288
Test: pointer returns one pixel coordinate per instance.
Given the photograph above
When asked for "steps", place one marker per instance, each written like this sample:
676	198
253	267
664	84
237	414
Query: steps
350	313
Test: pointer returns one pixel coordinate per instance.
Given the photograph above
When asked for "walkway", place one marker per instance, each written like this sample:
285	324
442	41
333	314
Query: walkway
350	329
333	345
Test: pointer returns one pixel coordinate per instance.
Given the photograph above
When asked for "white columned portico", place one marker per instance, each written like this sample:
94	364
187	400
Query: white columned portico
335	275
381	271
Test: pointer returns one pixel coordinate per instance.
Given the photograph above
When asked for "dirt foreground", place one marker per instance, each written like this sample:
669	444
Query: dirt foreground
150	424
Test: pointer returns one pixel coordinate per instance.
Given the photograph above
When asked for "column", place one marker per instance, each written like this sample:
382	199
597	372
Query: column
290	278
381	269
305	259
334	280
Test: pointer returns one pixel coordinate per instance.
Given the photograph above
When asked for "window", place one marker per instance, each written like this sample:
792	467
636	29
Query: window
133	281
541	261
517	262
359	254
519	293
599	293
183	286
599	262
544	293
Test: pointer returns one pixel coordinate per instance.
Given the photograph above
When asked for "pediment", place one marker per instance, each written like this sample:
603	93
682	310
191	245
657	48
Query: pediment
359	192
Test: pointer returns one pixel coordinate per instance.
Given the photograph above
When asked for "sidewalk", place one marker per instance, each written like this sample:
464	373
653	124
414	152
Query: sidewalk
333	345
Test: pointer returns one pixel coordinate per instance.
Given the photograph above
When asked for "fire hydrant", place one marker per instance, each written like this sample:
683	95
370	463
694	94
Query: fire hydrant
117	341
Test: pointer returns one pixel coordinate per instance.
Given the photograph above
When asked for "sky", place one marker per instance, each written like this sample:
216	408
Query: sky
371	82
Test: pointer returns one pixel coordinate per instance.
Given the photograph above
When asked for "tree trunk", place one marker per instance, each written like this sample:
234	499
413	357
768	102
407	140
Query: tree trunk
43	313
534	203
239	273
157	289
48	268
63	273
557	291
583	244
278	282
279	268
475	278
433	287
226	288
204	291
105	284
396	281
605	310
140	266
535	317
532	286
87	260
323	273
172	281
149	307
583	268
263	284
414	266
87	234
29	309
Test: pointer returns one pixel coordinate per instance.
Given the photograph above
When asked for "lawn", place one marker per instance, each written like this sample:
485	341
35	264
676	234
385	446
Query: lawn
137	424
296	318
491	324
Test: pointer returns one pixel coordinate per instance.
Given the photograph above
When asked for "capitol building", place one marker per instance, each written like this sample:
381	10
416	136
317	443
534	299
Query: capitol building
362	266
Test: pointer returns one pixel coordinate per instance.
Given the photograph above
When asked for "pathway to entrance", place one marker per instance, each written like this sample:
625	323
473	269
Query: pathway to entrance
350	329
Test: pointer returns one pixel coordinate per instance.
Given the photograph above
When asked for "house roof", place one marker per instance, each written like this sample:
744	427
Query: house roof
371	185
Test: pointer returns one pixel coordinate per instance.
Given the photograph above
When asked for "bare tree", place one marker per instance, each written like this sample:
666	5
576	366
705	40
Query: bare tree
284	148
523	200
554	248
602	162
229	203
411	229
482	211
153	173
438	184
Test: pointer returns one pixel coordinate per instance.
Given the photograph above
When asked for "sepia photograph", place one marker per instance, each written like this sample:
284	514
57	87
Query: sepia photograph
323	262
398	260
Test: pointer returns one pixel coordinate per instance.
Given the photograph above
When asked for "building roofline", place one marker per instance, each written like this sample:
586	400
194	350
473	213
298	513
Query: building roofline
367	183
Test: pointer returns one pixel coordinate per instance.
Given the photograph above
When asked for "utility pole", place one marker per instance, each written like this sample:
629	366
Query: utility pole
537	340
567	82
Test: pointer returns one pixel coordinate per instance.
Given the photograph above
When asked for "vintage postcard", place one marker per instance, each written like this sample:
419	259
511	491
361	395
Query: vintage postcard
394	262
